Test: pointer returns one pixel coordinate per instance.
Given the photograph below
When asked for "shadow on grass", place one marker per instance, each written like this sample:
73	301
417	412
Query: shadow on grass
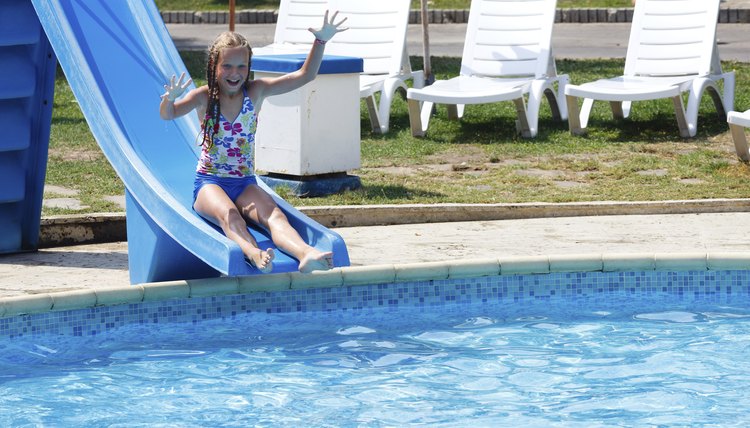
489	124
656	128
393	192
70	120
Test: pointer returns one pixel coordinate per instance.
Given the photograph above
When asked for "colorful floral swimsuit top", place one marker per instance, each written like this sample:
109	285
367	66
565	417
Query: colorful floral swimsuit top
231	154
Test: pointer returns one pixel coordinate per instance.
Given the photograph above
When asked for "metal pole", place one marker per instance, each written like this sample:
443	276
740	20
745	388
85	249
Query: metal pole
231	15
428	78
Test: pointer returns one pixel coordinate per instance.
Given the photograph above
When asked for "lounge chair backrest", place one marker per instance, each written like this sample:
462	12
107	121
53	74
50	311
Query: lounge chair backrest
377	33
673	37
295	17
508	38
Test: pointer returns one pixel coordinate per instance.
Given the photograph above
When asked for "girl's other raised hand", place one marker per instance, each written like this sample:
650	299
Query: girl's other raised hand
329	28
174	90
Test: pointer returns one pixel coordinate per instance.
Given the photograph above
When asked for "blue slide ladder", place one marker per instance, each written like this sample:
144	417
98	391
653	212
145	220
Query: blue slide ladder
27	83
117	55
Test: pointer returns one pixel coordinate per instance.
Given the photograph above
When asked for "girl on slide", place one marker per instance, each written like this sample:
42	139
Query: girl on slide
226	192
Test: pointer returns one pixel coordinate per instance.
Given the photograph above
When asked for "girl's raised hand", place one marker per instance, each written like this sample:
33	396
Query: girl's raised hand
174	90
329	28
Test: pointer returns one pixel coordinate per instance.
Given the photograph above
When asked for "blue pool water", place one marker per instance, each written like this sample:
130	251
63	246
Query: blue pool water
608	357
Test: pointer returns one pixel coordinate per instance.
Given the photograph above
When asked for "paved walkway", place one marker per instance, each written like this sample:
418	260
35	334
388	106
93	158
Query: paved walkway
88	266
569	40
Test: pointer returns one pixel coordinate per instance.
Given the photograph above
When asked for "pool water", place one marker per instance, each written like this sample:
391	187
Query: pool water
651	362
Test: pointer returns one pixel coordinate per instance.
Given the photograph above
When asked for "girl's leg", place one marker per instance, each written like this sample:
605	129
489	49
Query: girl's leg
258	206
213	204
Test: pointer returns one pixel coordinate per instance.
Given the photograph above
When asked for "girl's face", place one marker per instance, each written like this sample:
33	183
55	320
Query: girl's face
232	69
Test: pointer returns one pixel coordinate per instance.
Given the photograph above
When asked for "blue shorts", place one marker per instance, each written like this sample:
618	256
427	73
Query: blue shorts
232	186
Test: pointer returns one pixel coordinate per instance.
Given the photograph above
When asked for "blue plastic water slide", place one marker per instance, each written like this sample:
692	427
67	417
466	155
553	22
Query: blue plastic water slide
117	55
27	82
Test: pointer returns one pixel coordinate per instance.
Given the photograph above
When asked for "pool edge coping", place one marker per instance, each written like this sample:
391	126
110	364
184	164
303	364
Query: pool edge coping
372	274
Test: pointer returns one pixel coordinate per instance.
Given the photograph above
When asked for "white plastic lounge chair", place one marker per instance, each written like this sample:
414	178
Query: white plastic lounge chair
291	34
377	34
671	51
737	124
506	57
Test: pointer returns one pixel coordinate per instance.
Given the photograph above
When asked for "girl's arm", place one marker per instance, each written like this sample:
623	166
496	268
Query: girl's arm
269	86
171	107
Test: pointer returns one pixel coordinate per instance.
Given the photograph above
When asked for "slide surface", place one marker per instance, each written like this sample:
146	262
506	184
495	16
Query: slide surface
117	55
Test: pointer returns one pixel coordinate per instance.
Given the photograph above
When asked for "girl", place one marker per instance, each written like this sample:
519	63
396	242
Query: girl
226	192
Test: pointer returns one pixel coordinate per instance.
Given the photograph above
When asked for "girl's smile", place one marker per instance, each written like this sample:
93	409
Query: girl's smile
232	70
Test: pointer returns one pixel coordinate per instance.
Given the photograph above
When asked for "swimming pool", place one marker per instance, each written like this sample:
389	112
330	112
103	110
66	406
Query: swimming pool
601	348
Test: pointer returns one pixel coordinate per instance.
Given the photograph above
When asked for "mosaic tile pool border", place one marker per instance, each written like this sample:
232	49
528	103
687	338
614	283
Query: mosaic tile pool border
715	286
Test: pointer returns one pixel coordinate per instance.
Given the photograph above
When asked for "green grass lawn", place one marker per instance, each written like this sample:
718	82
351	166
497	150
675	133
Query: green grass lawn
480	159
433	4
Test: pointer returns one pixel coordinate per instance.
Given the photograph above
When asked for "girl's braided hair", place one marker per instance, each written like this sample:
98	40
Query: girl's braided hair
225	40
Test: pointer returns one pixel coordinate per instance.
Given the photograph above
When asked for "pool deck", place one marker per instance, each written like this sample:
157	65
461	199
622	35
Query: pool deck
701	239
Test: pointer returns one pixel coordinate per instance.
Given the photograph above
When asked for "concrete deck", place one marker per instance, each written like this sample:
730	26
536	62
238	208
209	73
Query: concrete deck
85	267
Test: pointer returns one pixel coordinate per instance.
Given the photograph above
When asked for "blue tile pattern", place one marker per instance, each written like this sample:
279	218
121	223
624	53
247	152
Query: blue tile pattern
553	289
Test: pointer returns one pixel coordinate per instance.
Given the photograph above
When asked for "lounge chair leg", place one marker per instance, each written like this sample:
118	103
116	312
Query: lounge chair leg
626	108
718	103
452	111
553	105
679	111
386	100
740	142
539	89
372	111
417	78
574	116
562	106
415	118
455	111
522	122
617	112
728	83
697	89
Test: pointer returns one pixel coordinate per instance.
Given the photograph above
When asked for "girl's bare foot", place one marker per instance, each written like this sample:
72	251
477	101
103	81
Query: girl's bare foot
314	259
263	260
